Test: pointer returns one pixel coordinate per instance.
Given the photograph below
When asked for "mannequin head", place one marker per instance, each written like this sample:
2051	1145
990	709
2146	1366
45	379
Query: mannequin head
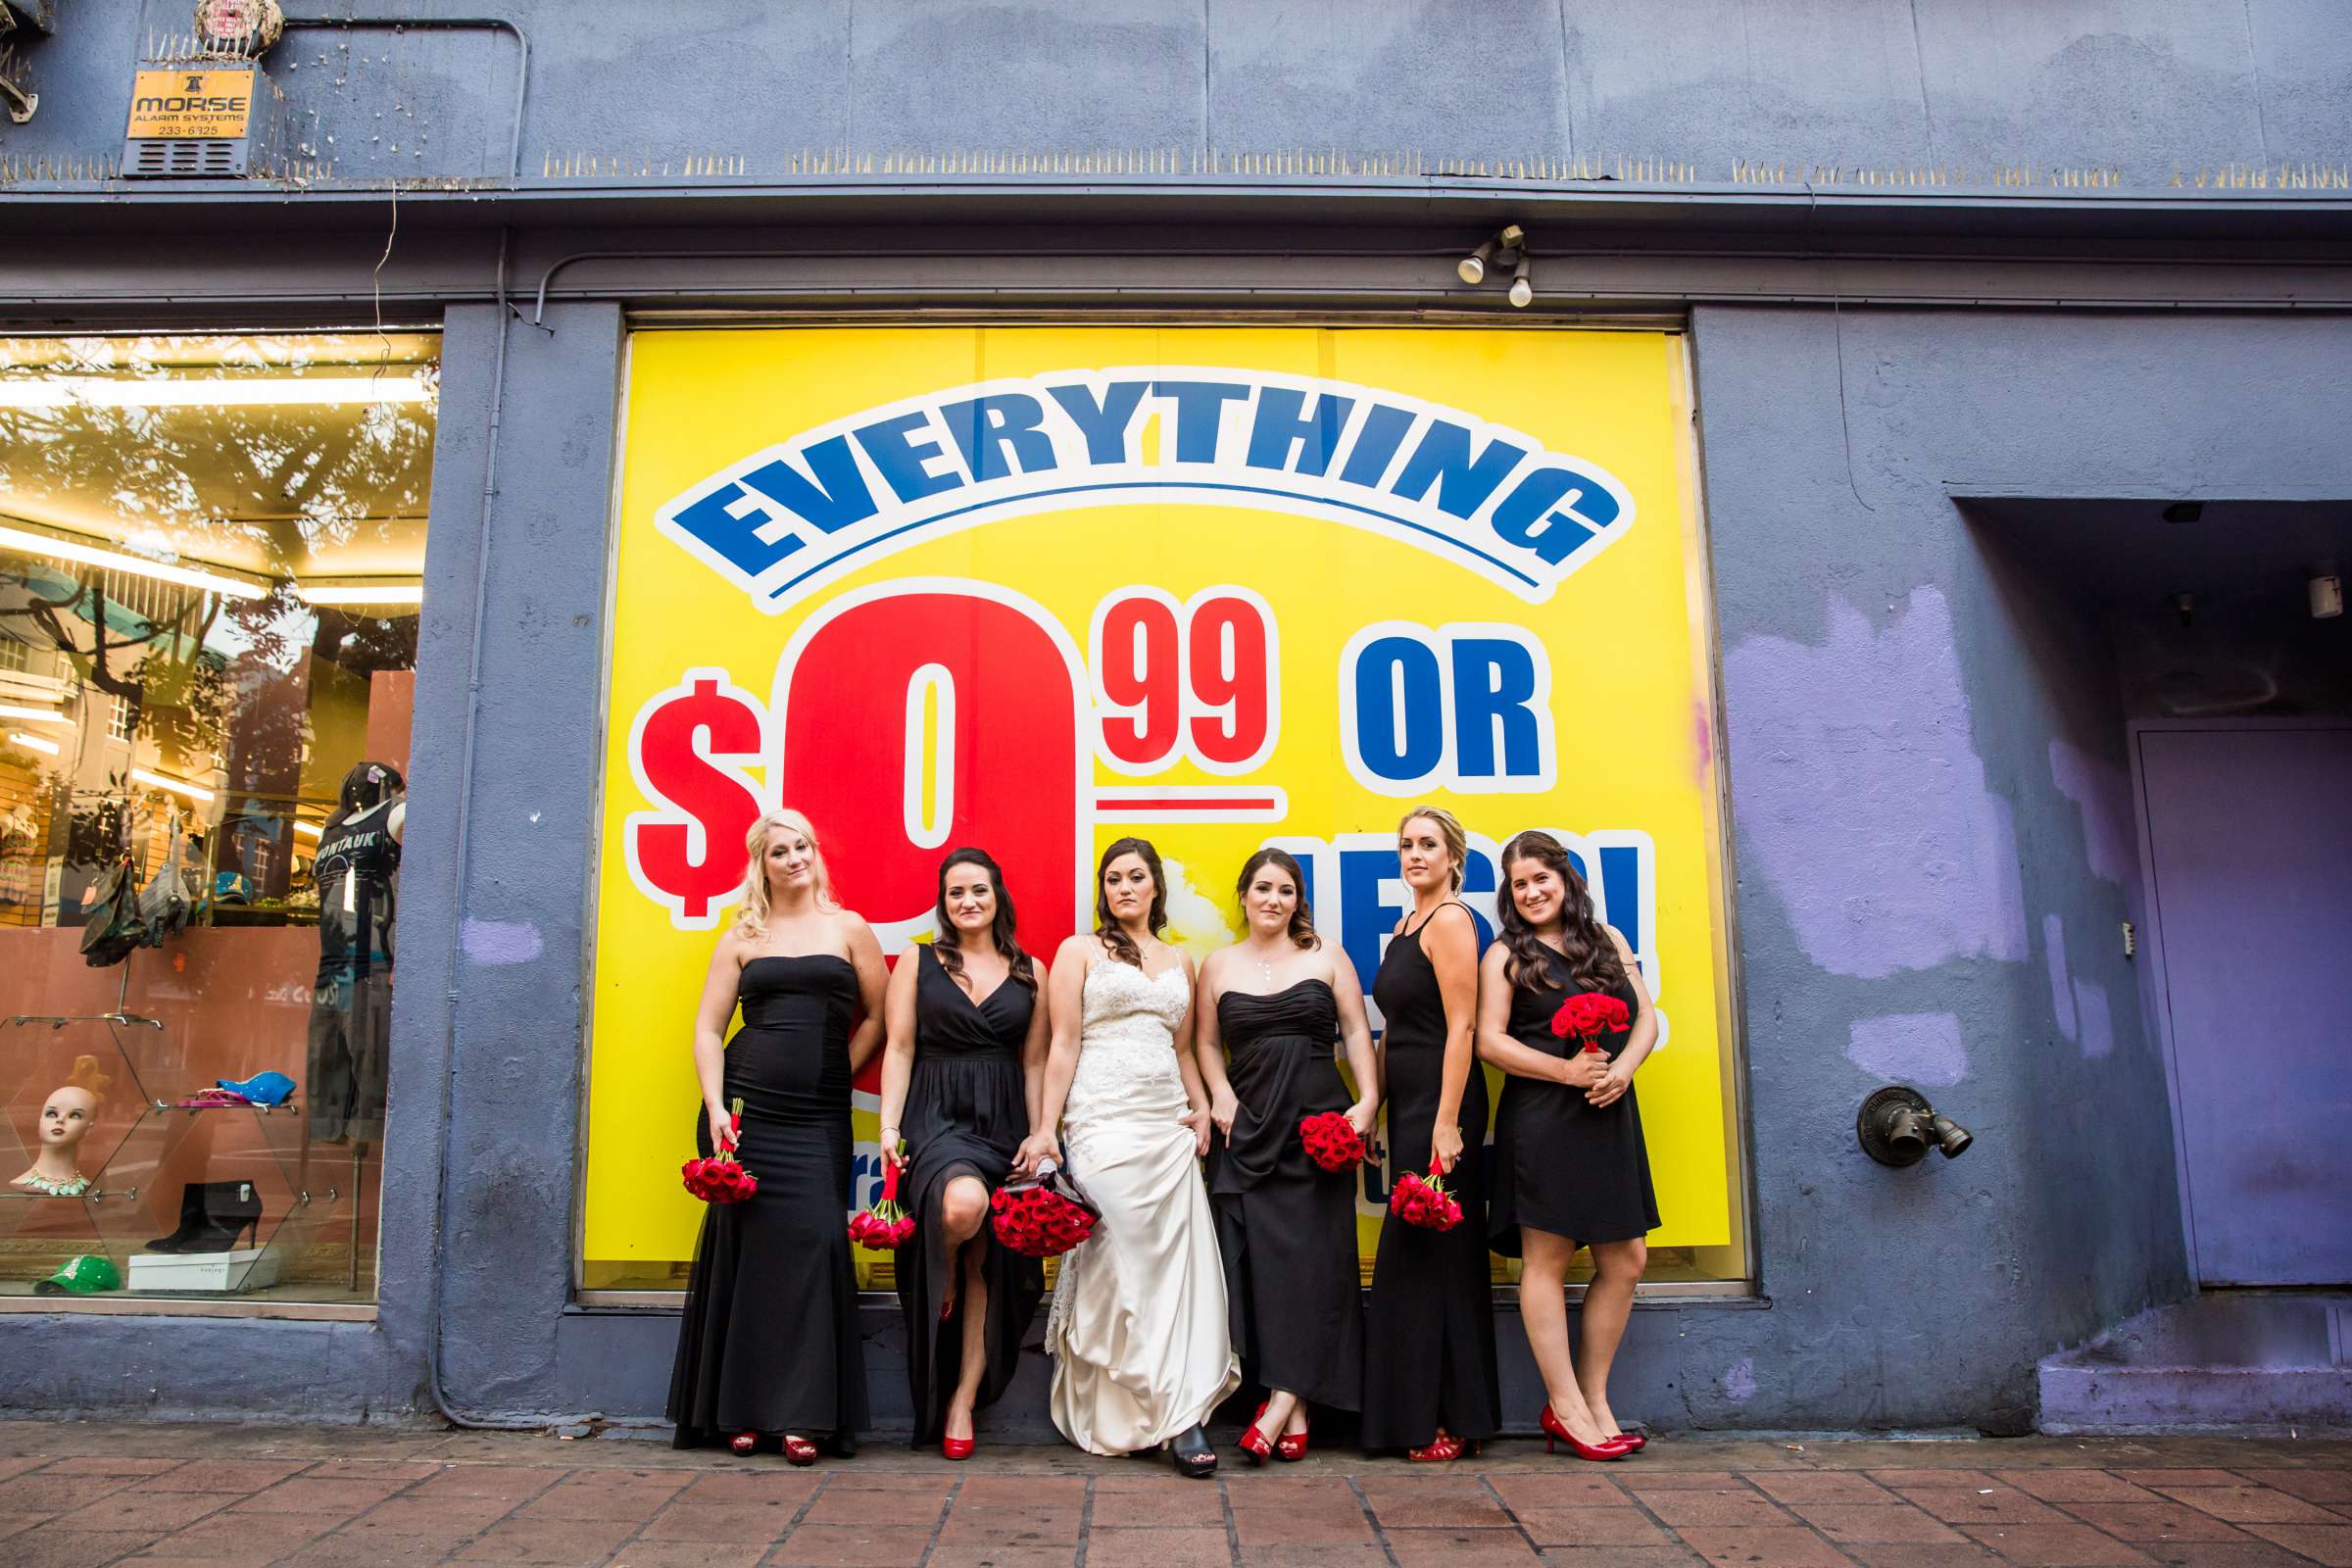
67	1118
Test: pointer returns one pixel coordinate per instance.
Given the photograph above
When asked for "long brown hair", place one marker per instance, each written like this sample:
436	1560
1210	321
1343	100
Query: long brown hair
1115	937
945	946
1303	913
1584	945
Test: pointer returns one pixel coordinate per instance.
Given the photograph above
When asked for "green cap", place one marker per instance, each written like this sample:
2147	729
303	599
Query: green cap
85	1275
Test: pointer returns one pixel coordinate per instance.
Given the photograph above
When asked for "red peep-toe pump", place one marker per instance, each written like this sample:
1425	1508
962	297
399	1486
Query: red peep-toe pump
957	1447
1255	1443
1610	1448
744	1441
799	1451
1291	1446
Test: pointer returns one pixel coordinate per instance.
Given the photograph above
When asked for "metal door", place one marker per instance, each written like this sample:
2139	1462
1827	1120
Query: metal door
2248	829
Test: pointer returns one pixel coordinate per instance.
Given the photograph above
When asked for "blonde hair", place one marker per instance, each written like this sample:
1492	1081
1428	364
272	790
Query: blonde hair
751	919
1457	842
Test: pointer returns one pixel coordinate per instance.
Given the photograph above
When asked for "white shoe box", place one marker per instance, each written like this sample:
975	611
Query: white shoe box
249	1268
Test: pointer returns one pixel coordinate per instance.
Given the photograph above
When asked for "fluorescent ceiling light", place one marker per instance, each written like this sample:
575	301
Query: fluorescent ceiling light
357	593
309	829
36	743
59	547
38	715
242	391
177	786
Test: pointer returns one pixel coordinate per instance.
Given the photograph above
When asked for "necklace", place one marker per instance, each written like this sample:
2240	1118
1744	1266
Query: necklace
72	1186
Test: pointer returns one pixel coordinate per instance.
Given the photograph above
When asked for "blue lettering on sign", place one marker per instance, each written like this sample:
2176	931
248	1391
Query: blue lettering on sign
1493	707
1102	416
1462	707
987	428
784	522
1443	459
1280	429
1400	710
1200	406
904	461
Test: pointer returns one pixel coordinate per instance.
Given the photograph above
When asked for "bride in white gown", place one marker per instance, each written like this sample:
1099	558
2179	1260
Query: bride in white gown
1138	1331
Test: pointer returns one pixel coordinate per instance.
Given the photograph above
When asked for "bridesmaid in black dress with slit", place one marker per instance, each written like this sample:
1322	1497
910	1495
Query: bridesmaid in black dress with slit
959	1084
1286	1227
1430	1383
1570	1166
769	1346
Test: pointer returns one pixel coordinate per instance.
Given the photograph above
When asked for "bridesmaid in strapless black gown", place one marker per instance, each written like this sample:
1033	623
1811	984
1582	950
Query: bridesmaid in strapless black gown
1284	1225
965	1116
770	1341
1429	1327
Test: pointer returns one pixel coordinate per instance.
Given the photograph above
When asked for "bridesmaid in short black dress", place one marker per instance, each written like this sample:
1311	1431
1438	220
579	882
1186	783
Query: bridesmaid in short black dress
770	1341
965	1116
1430	1381
1562	1164
1570	1169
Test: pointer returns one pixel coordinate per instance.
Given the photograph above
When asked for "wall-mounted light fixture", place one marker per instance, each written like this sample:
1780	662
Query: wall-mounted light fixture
2326	591
1897	1127
1506	247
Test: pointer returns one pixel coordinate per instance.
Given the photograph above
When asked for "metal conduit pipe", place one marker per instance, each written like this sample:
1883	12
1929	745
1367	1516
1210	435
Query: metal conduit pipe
522	64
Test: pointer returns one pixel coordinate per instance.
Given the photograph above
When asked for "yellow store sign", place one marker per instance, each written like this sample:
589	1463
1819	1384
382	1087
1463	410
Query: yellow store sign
1037	588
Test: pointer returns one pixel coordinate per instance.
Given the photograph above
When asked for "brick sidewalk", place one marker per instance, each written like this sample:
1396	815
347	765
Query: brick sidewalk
76	1494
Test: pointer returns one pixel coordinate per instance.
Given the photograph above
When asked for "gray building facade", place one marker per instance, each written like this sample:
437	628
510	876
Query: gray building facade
1973	293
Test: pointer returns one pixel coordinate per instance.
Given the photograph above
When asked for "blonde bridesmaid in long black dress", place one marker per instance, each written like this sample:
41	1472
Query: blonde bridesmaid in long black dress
1430	1385
960	1083
1271	1005
800	966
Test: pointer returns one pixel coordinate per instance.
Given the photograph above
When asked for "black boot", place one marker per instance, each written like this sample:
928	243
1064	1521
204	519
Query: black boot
229	1211
191	1220
1191	1455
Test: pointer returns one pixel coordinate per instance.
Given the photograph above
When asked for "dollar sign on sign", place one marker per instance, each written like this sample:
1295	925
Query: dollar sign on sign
688	749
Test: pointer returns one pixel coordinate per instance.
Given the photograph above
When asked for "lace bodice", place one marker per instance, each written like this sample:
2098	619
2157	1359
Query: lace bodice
1126	1046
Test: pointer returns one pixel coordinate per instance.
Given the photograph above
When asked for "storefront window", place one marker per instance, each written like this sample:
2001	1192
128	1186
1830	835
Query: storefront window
211	567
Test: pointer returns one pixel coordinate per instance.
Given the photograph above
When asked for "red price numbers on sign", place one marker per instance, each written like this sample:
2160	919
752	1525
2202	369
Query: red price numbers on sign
1195	681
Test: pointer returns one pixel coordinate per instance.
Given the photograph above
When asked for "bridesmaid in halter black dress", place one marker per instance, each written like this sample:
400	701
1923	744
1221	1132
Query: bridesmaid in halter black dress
1286	1227
1430	1382
959	1084
768	1345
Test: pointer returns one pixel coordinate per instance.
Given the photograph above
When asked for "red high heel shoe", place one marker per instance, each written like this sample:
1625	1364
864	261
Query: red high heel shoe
957	1447
1291	1446
1255	1443
799	1451
1552	1430
1443	1447
1635	1441
744	1441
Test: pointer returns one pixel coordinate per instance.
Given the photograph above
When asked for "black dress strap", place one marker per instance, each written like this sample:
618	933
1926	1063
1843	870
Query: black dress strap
1416	930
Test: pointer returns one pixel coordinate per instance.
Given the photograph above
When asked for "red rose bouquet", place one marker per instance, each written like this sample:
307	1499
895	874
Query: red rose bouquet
1587	1015
1043	1218
1424	1201
1331	1141
886	1227
721	1178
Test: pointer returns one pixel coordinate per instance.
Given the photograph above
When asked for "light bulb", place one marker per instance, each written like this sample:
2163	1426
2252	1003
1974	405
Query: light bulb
1473	267
1522	292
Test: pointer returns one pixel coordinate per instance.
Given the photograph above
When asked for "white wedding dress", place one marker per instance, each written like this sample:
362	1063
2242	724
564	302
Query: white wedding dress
1138	1331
